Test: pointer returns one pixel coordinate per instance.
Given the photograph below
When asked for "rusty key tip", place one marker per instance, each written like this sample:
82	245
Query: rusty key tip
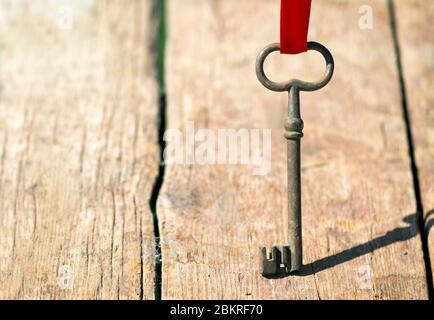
275	261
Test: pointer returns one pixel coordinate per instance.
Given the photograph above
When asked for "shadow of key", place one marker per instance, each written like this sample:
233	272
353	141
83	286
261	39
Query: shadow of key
396	235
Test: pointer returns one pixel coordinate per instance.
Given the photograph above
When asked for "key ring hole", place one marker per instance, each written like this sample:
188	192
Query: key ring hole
301	85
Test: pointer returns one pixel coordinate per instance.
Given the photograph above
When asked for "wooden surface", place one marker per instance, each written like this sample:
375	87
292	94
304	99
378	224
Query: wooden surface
79	155
361	238
415	33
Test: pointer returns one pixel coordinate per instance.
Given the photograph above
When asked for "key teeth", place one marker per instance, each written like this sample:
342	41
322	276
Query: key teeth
268	264
276	261
286	256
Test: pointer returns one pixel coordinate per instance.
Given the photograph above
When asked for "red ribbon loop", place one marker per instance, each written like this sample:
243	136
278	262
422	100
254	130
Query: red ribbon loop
294	25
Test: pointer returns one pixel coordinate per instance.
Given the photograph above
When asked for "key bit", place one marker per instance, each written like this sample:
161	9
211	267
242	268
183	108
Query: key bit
283	259
275	261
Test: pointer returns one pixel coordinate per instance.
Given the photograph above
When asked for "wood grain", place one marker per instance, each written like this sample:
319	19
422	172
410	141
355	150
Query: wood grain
361	239
79	155
415	20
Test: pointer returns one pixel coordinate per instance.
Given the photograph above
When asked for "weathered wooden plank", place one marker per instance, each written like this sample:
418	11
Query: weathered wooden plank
361	238
78	114
415	34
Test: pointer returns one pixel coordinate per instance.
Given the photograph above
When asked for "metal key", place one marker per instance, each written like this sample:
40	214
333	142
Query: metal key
285	259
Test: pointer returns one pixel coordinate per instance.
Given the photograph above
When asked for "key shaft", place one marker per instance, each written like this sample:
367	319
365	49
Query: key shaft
293	134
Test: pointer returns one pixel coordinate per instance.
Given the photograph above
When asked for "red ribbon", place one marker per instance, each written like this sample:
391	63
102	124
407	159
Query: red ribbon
294	24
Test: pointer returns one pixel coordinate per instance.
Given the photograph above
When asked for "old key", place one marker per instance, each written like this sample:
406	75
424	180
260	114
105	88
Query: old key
284	259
